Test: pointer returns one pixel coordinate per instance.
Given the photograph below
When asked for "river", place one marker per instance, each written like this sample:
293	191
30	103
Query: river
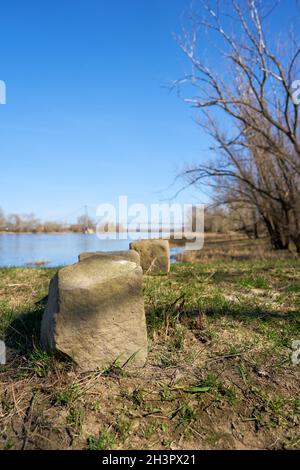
55	249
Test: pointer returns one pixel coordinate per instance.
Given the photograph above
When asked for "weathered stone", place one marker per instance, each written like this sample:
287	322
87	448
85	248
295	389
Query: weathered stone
154	255
95	312
129	255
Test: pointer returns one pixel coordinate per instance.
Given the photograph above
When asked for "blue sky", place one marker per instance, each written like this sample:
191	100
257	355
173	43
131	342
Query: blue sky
87	116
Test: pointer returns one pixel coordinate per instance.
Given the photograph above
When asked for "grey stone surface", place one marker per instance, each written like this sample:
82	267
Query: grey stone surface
128	255
95	312
154	255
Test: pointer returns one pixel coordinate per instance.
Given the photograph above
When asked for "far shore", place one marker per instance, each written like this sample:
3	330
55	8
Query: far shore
62	232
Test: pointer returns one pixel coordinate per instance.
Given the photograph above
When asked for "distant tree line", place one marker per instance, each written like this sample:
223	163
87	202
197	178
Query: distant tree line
217	219
28	223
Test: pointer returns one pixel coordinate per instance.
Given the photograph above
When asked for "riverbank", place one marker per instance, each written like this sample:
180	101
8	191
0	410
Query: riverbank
219	373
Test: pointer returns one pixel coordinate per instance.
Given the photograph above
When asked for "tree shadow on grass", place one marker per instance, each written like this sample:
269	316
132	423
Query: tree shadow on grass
243	313
23	333
221	275
281	327
249	312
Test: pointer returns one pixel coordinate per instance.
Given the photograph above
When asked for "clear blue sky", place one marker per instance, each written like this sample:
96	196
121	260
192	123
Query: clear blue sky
87	117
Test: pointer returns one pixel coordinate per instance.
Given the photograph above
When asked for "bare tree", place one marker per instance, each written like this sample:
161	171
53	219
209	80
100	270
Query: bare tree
23	223
249	113
85	221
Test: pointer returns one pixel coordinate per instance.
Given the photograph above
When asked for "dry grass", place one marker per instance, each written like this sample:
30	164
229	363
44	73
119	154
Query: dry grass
218	376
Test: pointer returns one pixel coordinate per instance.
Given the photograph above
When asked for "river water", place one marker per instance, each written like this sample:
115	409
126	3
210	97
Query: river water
56	249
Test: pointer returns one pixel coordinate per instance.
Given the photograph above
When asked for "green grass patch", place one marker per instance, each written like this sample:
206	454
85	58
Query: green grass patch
255	282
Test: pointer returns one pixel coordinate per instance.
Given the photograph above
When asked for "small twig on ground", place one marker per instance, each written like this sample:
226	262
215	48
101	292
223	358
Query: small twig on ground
15	402
18	285
153	263
210	276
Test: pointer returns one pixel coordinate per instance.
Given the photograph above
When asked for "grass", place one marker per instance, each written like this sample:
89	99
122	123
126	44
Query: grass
256	282
67	396
219	372
40	362
75	419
